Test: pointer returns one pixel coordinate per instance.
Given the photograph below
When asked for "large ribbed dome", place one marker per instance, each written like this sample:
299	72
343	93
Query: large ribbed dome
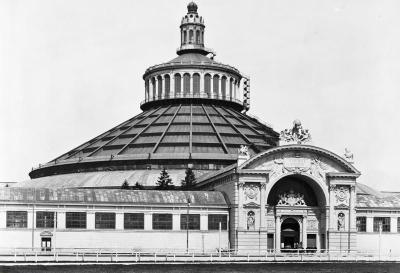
194	115
168	135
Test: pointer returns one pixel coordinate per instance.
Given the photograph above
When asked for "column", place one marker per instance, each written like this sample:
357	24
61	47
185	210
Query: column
332	207
90	220
3	219
240	204
277	233
151	94
31	218
201	84
304	232
156	81
148	221
163	87
370	224
181	94
61	224
191	85
352	211
318	240
172	85
219	86
176	221
119	220
393	224
263	222
203	222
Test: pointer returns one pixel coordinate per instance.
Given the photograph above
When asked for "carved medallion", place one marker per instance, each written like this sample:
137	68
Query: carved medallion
251	192
312	224
342	196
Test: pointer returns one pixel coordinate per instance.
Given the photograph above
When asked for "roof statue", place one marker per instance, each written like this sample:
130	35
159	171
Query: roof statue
295	135
348	155
244	150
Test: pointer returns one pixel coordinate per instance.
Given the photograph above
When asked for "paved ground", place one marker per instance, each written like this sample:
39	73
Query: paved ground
205	268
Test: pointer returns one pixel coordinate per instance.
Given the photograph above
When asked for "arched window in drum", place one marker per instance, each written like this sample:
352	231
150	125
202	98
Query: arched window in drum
196	84
160	86
186	84
215	86
207	84
231	88
153	83
167	86
177	79
191	36
223	86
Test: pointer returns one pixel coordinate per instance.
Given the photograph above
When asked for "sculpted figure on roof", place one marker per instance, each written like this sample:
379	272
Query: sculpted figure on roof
296	134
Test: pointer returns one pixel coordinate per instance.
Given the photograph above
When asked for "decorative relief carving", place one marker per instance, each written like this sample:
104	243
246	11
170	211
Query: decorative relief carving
312	224
342	196
270	224
296	134
291	199
348	155
299	165
251	192
240	184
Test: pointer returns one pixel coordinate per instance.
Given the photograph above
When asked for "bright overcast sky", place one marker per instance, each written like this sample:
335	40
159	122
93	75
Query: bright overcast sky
70	70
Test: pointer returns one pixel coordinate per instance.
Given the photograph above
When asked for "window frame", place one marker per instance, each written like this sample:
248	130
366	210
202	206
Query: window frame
104	220
213	224
75	223
163	224
17	222
385	226
42	222
361	224
133	224
194	221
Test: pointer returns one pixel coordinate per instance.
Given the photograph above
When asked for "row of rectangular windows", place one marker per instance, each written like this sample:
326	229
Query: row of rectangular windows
384	222
106	220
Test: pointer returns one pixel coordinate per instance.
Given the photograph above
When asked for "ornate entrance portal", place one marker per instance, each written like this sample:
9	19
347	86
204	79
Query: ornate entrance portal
290	234
298	207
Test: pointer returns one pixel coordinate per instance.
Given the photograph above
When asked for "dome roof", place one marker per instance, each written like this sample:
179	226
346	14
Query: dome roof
192	7
173	135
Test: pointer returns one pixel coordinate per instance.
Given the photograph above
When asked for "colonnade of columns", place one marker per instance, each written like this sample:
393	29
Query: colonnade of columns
192	85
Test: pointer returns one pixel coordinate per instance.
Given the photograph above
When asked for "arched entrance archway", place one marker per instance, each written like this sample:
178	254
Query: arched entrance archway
298	204
290	234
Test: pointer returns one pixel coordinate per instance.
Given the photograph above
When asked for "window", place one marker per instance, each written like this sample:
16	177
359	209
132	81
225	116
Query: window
186	83
398	224
223	86
361	224
167	86
312	241
207	84
17	219
75	220
105	220
385	224
177	79
193	223
44	219
162	221
196	84
133	221
215	219
160	86
153	83
216	85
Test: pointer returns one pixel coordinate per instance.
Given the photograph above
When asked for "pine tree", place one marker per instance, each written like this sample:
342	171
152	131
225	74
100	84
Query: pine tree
164	182
138	186
125	185
189	181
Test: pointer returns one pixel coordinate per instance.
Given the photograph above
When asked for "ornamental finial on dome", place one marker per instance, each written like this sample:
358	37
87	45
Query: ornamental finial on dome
192	7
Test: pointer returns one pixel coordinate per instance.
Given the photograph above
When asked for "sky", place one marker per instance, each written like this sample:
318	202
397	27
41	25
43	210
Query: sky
70	70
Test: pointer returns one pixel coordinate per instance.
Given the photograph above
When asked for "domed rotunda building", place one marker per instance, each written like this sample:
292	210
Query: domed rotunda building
256	190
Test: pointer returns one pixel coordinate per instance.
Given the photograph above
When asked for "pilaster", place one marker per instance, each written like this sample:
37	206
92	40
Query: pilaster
277	233
90	220
148	221
176	221
119	220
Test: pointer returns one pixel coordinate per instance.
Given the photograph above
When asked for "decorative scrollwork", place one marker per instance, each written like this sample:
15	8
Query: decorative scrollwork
291	199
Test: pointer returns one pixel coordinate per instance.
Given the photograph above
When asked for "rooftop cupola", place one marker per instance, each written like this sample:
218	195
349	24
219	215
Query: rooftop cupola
192	32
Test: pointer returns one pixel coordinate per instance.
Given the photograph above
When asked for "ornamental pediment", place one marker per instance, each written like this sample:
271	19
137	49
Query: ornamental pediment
298	159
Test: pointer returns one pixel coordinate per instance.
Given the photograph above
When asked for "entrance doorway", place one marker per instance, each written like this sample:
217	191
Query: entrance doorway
290	234
46	244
